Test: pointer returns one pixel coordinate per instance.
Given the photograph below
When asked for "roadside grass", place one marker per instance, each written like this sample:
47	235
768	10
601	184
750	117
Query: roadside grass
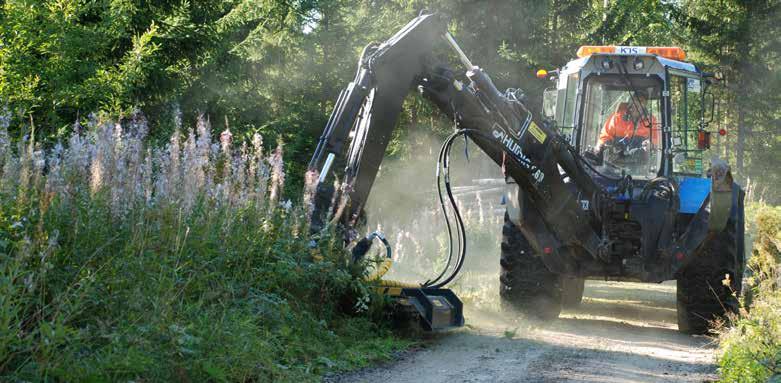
124	262
750	351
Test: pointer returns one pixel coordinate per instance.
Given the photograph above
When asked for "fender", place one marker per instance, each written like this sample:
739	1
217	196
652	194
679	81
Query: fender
711	218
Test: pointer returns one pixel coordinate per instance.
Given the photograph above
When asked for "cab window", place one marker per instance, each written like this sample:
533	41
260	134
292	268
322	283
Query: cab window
565	105
622	125
686	117
568	116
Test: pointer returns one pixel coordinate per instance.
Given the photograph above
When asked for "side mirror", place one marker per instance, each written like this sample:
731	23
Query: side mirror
703	140
549	103
709	103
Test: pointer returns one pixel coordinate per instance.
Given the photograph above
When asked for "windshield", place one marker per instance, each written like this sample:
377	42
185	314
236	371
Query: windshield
622	125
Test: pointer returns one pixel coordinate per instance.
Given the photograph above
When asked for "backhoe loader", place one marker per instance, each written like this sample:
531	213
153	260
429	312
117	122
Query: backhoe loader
610	181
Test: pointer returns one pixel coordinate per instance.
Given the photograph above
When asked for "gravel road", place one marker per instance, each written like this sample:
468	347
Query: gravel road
623	332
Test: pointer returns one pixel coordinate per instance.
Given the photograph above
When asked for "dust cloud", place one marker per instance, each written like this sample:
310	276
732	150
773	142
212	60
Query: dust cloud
404	206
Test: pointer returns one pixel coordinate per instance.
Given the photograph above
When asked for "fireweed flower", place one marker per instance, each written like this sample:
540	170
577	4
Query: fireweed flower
192	171
5	142
310	185
114	160
277	175
226	137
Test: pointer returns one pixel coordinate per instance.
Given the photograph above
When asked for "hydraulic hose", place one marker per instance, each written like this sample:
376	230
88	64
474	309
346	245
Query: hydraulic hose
440	159
451	269
363	246
444	164
443	169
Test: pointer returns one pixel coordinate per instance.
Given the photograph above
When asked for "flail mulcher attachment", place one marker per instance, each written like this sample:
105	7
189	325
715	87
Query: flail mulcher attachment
434	309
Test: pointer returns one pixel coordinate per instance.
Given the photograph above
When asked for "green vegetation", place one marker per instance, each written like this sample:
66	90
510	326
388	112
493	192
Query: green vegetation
124	262
751	350
276	67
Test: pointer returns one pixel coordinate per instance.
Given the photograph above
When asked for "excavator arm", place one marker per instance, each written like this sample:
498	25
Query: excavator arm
367	111
531	153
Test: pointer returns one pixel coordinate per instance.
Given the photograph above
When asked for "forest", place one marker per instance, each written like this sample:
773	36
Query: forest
276	67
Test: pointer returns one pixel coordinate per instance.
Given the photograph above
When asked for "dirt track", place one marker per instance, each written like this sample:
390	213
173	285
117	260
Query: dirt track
623	332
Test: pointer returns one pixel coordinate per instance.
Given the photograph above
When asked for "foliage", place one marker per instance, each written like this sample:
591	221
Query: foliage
766	256
276	67
740	40
125	262
750	351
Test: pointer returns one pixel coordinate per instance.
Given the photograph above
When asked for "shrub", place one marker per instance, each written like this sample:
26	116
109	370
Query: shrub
120	261
751	350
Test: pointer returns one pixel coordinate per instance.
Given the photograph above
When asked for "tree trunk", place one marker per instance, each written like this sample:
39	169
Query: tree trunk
739	145
719	125
555	25
326	86
726	138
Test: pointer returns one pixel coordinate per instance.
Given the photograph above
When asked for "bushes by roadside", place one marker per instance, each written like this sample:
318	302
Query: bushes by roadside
124	262
750	351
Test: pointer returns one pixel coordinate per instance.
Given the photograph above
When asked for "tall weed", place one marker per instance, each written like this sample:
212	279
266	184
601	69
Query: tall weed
122	261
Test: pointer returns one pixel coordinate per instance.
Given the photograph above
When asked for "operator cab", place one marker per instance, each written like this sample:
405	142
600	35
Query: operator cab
621	126
623	108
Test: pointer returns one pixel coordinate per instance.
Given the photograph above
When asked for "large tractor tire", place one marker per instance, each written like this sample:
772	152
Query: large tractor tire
526	285
572	292
702	295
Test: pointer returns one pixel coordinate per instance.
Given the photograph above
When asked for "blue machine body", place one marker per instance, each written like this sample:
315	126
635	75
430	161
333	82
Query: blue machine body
693	192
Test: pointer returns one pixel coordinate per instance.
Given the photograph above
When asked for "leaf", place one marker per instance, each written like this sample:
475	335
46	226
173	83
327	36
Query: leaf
214	372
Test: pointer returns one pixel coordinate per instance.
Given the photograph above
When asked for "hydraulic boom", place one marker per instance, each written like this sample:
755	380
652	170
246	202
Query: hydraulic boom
499	123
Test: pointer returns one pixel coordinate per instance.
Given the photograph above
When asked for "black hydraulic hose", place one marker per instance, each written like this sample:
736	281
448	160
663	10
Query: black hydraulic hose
658	183
362	246
440	159
460	223
444	159
444	163
461	232
447	220
443	166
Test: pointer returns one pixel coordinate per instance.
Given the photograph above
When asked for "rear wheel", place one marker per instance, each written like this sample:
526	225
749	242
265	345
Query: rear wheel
572	292
526	285
708	288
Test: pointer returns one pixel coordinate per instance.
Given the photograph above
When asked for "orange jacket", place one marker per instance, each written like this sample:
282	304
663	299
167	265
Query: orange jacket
616	127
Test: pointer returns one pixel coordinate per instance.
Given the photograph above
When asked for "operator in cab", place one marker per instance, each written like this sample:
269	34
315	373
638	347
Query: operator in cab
631	126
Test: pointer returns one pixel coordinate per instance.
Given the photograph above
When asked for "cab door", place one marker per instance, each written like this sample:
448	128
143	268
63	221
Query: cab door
686	122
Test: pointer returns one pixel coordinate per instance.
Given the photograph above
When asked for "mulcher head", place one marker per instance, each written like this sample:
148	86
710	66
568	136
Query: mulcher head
432	309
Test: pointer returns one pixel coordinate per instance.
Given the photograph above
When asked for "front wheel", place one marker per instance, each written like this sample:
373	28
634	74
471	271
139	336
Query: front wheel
708	288
526	284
